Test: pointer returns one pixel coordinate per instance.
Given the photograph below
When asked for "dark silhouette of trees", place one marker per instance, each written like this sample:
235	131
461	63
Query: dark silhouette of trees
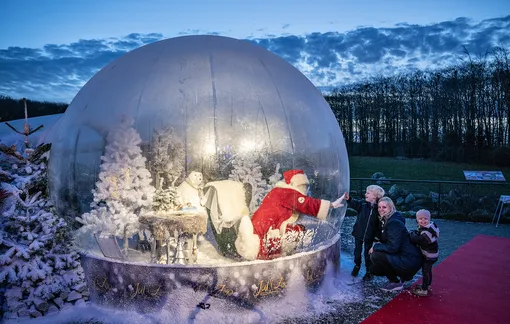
458	114
12	109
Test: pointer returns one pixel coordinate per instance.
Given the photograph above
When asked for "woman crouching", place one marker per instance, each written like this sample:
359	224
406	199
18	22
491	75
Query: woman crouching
395	256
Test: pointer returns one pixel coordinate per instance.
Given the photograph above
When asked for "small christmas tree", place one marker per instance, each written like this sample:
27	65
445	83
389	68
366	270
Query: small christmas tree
39	270
166	199
124	189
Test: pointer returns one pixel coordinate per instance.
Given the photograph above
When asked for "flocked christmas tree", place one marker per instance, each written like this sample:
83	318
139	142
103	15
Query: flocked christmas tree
123	191
167	162
40	272
247	170
167	156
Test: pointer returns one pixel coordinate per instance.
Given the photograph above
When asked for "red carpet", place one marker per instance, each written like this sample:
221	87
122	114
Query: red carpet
470	286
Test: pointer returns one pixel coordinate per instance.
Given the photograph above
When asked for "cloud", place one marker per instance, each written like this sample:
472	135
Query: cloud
367	51
56	72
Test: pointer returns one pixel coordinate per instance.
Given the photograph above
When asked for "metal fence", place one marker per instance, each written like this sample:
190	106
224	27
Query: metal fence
462	198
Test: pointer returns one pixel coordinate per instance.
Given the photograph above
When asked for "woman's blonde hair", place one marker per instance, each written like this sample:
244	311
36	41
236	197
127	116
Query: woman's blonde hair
390	203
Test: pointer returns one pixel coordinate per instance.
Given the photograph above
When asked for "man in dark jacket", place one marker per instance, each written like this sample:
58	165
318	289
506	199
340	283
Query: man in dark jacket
395	256
366	227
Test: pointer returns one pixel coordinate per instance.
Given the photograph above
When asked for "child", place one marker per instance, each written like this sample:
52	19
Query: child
426	238
366	227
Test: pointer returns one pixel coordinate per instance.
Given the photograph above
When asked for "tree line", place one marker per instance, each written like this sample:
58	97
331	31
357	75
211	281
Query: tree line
12	109
460	113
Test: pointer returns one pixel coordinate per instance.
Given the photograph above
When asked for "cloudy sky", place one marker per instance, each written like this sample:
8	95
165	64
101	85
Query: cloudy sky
50	48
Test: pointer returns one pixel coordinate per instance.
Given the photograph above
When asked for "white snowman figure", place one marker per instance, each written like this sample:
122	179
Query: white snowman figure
189	190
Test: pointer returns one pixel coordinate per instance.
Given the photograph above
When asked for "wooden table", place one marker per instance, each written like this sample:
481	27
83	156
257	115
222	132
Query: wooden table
192	222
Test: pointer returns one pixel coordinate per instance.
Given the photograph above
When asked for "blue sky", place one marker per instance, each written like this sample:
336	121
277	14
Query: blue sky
50	48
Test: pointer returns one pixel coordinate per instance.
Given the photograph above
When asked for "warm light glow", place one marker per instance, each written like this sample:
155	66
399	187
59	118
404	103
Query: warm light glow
209	147
247	145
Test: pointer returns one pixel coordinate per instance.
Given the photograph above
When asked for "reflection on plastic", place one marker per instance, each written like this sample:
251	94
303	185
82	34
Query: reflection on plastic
225	100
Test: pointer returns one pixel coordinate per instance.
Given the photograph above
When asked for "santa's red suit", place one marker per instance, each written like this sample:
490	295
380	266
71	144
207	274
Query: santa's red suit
280	208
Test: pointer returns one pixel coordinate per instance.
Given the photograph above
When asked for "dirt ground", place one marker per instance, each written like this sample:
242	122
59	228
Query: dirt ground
453	234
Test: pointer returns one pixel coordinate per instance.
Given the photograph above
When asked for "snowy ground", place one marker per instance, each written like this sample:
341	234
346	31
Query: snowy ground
344	300
341	290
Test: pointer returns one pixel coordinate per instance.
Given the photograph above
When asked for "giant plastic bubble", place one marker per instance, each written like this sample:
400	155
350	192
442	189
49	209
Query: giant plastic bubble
232	109
223	98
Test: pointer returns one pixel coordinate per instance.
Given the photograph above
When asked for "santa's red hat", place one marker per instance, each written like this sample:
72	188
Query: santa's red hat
295	177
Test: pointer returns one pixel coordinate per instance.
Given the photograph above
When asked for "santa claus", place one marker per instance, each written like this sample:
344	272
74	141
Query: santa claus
276	216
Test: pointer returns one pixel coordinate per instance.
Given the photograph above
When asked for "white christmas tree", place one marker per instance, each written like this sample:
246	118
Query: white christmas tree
123	191
167	156
38	269
248	171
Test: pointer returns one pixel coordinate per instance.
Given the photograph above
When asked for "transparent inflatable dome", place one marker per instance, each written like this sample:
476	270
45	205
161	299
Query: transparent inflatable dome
230	109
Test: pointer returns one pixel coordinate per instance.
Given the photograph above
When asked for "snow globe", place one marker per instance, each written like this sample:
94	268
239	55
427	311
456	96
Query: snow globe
164	157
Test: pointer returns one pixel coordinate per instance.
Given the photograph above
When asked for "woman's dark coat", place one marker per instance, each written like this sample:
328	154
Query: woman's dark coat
405	257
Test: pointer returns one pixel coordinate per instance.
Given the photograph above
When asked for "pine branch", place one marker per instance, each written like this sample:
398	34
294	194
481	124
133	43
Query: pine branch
11	151
4	194
5	177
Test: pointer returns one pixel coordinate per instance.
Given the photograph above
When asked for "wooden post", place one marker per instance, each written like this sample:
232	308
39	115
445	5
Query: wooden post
26	128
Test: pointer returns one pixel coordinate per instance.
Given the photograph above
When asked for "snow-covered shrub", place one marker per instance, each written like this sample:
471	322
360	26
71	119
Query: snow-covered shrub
39	270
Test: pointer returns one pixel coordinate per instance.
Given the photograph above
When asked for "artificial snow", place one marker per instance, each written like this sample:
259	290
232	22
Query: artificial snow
199	307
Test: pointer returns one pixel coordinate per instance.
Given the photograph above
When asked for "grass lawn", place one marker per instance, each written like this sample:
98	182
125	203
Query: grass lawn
365	166
475	198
